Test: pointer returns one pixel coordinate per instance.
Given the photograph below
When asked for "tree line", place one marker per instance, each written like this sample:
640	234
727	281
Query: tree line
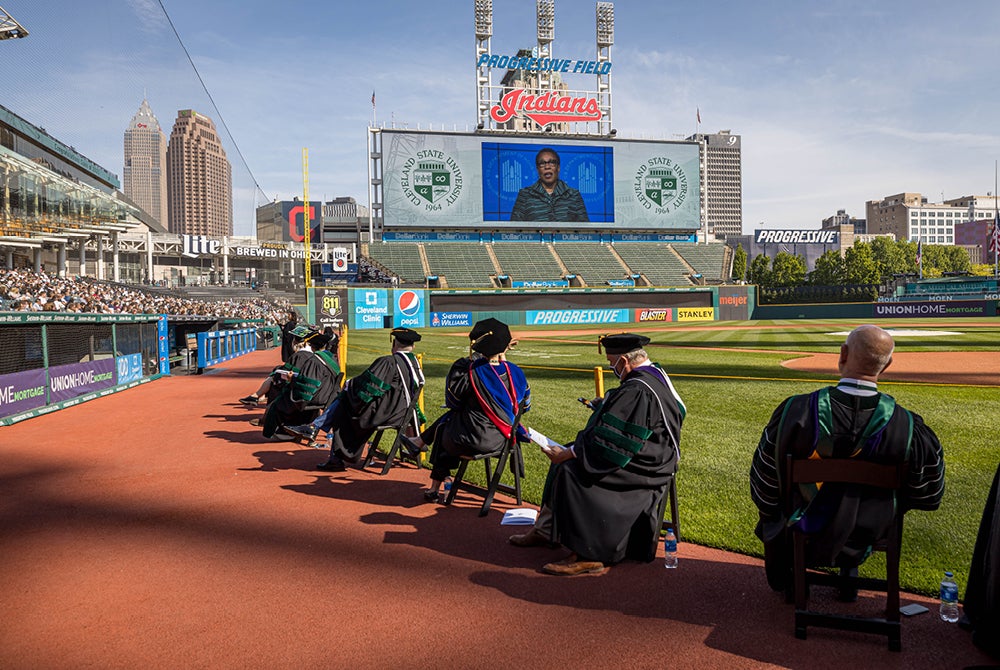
855	276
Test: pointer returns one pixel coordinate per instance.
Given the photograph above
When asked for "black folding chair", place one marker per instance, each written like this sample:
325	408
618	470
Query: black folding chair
850	471
672	522
511	450
410	420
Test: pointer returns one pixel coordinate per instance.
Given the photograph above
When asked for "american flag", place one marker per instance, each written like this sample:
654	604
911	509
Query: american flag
995	236
373	99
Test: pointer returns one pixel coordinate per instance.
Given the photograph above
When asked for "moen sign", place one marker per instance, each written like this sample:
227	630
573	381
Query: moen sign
797	236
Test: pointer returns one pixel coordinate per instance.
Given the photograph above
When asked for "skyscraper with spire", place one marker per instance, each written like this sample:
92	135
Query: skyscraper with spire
199	178
145	168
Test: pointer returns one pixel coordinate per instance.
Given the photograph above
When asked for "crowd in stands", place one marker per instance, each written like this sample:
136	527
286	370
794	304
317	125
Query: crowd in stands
369	273
24	290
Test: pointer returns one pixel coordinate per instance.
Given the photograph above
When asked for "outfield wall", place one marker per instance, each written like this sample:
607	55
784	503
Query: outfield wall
930	309
364	308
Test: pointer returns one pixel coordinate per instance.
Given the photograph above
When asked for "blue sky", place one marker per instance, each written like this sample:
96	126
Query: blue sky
837	102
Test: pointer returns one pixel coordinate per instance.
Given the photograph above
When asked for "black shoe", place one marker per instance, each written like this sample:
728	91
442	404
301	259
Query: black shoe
332	465
305	431
848	591
411	448
431	496
250	400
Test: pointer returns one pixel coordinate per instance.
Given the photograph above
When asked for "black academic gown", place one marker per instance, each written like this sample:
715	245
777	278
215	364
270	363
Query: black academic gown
843	520
608	502
312	387
982	593
466	429
380	396
287	340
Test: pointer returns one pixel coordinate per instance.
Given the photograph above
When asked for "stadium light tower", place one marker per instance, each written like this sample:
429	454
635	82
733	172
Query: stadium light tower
9	28
484	93
545	19
605	38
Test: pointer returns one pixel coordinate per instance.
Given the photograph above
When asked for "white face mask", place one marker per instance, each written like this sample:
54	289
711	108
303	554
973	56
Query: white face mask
614	367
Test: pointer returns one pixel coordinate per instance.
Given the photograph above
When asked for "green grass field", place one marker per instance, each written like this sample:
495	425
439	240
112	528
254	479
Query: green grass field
730	393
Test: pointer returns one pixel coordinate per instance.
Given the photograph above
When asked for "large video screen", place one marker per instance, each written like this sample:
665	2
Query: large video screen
442	181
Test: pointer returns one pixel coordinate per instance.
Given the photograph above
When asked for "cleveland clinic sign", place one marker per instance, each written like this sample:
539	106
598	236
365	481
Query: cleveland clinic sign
797	237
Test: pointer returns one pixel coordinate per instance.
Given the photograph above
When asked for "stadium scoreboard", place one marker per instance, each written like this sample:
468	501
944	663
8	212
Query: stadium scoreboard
470	181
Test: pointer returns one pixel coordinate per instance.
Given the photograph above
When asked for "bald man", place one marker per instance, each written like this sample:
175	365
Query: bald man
850	420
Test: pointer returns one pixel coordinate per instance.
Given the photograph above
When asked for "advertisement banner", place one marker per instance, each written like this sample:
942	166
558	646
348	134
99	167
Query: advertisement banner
22	391
734	303
163	344
331	307
695	313
69	381
662	314
129	368
369	307
540	283
924	309
410	309
559	317
450	319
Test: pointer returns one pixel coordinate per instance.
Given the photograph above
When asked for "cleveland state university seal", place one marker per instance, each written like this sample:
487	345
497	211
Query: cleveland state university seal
661	185
431	180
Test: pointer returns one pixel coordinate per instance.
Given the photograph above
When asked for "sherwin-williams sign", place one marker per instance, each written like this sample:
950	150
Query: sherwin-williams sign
70	381
22	391
450	319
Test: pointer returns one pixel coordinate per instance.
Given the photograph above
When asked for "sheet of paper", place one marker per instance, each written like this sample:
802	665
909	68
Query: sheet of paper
521	516
544	441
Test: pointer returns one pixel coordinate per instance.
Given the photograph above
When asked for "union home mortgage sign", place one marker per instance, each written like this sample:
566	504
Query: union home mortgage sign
550	106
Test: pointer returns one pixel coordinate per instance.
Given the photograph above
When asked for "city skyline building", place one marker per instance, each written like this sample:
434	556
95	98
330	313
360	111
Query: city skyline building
909	216
144	172
723	191
199	178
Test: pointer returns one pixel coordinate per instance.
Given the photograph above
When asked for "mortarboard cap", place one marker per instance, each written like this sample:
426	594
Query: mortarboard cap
405	335
490	337
622	343
318	341
301	332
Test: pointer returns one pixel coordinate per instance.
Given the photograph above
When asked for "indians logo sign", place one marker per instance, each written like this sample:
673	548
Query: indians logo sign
549	107
432	180
661	185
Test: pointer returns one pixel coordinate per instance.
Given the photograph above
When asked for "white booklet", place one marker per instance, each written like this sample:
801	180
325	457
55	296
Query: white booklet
546	443
521	516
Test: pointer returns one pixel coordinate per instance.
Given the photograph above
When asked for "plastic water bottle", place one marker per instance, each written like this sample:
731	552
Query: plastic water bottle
949	599
670	550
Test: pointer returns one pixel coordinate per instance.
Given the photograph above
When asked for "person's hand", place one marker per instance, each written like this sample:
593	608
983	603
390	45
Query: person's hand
557	455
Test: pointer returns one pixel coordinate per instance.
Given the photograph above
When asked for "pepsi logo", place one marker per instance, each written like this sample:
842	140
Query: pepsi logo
408	303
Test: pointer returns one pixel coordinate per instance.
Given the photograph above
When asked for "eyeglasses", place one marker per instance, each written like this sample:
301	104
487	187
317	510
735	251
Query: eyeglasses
551	161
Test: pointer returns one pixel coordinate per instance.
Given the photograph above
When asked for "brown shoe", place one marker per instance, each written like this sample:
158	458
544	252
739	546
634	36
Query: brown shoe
531	539
569	567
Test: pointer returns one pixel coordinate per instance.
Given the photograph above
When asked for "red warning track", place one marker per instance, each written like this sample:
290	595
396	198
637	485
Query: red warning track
155	528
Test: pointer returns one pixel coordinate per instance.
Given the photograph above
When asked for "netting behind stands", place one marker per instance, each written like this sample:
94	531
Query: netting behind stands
79	342
20	349
138	338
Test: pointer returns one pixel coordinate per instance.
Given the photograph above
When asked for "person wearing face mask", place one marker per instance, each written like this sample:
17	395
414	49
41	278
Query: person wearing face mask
605	493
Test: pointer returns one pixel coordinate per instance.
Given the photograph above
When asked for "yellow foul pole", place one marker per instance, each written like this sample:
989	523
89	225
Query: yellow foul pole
307	232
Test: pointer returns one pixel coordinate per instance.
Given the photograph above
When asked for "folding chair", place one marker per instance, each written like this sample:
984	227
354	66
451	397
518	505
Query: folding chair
849	471
409	420
673	522
511	449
